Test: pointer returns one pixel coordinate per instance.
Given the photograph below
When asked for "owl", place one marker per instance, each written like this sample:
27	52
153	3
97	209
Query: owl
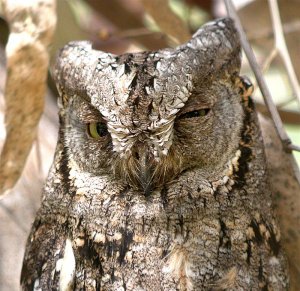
159	176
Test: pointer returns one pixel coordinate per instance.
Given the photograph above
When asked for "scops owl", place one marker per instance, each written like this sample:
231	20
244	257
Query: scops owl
159	177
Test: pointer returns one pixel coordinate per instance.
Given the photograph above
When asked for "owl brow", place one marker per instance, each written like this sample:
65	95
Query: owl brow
87	113
195	102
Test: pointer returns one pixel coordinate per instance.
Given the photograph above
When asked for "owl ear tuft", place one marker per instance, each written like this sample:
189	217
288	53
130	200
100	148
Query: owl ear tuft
216	47
74	68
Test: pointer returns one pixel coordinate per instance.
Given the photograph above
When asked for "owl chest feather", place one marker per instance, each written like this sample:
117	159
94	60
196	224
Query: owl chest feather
189	235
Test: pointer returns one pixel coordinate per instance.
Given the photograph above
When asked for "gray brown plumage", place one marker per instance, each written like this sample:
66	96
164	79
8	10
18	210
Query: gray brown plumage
159	178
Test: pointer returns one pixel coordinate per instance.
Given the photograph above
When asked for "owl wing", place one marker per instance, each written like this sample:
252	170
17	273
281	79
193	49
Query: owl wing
43	257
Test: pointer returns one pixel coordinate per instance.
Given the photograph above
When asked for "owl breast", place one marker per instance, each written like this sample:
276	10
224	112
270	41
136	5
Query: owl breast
189	235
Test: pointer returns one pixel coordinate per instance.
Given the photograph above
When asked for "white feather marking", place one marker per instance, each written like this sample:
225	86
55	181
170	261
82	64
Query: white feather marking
273	261
121	70
58	265
67	272
36	286
180	266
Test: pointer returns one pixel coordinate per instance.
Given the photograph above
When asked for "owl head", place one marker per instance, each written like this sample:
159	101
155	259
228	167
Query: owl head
145	118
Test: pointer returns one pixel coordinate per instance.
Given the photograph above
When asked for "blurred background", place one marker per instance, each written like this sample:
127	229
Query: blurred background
119	26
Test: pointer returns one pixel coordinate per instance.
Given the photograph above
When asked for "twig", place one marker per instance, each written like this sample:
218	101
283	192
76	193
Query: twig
286	102
269	59
281	47
265	67
286	142
286	116
267	62
167	20
289	27
126	20
294	147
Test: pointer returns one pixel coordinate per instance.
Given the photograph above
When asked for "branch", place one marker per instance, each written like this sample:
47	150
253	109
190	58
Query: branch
281	47
267	32
289	117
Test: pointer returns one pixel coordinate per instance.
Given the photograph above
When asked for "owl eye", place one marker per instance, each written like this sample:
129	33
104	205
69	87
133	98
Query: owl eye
97	130
196	113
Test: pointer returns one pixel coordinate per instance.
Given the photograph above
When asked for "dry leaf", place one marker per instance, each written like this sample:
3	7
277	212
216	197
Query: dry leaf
32	24
167	20
130	19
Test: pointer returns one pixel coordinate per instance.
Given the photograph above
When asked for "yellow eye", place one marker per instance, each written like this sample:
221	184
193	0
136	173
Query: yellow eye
202	112
97	129
195	113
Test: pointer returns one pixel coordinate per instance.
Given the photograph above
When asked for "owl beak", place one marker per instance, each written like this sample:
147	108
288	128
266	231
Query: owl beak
145	169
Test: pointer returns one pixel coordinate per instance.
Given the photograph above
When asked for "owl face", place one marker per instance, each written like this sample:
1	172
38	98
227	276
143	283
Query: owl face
145	118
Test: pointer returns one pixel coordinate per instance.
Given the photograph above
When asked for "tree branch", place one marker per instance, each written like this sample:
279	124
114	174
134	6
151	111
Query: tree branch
281	47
